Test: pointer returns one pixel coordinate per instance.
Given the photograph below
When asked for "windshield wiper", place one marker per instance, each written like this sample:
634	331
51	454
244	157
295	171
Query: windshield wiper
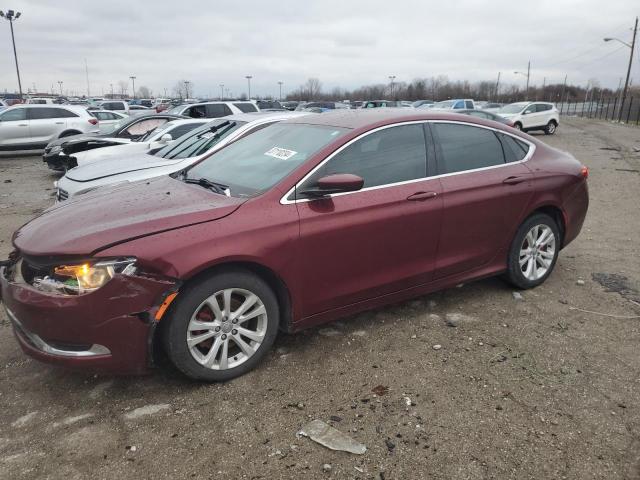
205	182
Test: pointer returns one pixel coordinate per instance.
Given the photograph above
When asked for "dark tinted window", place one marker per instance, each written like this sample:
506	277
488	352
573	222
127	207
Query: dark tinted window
246	107
514	150
530	109
465	147
41	113
13	115
541	107
113	106
459	104
182	129
390	155
199	111
468	103
216	110
269	104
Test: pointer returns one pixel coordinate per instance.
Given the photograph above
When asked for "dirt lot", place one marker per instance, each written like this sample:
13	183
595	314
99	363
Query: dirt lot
521	388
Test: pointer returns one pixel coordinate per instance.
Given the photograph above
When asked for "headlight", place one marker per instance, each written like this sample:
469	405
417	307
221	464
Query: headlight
55	150
77	279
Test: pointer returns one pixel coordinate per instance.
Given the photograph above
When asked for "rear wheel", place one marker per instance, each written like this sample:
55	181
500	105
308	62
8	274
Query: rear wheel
517	126
550	129
533	252
222	326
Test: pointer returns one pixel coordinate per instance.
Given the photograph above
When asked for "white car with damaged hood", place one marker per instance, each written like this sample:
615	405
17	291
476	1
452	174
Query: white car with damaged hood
184	152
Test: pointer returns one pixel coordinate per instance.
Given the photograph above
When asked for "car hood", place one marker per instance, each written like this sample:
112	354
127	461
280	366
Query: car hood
101	168
110	216
72	139
507	115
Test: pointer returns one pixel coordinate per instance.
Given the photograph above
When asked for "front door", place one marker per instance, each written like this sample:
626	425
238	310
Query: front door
381	239
14	129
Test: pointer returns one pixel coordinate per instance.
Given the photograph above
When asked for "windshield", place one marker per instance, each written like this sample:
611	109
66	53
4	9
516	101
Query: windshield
512	108
255	163
445	104
200	141
115	126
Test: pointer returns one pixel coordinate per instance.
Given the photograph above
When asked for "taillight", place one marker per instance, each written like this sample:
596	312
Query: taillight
584	172
93	121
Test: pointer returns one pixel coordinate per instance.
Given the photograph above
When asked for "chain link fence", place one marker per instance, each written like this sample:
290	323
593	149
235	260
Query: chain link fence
604	108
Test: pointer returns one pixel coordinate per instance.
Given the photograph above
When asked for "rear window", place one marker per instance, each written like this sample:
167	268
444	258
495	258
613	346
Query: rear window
113	105
246	107
464	147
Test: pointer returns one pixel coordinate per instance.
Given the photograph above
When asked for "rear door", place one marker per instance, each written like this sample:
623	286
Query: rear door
375	241
484	195
14	128
46	123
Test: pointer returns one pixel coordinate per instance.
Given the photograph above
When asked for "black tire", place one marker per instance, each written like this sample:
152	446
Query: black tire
68	133
514	273
174	333
550	128
517	126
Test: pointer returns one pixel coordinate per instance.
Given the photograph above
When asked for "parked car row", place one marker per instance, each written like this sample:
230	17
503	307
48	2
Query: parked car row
208	245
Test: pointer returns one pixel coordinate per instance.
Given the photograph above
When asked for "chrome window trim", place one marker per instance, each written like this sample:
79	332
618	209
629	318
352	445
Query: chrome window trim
532	148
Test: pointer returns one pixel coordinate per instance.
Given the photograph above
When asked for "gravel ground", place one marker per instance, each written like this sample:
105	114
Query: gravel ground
531	387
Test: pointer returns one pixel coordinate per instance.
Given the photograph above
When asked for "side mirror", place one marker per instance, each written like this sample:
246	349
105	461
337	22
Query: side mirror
166	138
337	183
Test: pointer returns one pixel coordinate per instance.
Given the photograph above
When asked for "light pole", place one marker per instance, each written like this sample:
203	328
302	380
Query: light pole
222	91
391	79
133	81
11	16
280	85
186	88
249	77
60	85
528	74
111	85
632	46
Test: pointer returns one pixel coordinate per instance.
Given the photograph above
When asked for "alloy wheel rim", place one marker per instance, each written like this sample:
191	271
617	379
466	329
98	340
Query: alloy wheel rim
537	252
551	128
227	329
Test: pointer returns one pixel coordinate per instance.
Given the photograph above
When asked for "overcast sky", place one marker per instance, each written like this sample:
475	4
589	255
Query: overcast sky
344	43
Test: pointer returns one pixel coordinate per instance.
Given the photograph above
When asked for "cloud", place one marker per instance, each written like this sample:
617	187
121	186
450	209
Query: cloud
343	43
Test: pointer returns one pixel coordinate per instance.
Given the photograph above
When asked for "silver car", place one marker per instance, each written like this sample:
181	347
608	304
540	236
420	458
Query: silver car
29	128
180	154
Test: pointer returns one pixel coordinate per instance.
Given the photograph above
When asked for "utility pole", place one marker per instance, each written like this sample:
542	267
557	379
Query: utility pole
60	85
280	85
11	16
133	81
544	84
186	89
497	86
391	79
222	91
112	97
528	75
632	46
249	77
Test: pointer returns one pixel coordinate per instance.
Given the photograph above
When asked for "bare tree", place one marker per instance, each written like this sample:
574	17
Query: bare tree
144	92
183	89
123	86
313	87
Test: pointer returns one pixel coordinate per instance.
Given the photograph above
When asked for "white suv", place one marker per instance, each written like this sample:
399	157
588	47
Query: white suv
527	116
214	109
32	127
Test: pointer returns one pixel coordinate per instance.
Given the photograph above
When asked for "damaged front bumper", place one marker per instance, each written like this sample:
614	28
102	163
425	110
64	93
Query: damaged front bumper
59	162
108	330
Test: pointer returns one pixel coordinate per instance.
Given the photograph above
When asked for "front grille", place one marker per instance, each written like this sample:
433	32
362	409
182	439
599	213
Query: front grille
62	195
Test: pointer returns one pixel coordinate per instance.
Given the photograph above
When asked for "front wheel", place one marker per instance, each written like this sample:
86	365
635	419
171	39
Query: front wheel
550	129
533	252
517	126
222	326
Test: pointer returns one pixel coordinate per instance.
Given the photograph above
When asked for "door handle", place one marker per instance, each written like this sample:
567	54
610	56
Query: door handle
514	180
22	125
59	123
421	196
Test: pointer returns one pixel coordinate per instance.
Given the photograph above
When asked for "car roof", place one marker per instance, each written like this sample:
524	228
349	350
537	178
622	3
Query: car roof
363	118
263	116
73	108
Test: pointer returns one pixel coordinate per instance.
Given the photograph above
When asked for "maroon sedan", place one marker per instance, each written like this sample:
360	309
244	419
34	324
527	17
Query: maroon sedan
295	225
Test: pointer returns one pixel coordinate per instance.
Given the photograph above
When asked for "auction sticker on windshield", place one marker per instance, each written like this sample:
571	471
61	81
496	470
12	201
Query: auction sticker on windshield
281	153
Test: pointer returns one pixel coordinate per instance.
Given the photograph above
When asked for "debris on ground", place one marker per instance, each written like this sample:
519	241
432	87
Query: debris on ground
147	410
329	332
380	390
580	282
334	439
437	346
326	467
517	296
614	282
390	445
